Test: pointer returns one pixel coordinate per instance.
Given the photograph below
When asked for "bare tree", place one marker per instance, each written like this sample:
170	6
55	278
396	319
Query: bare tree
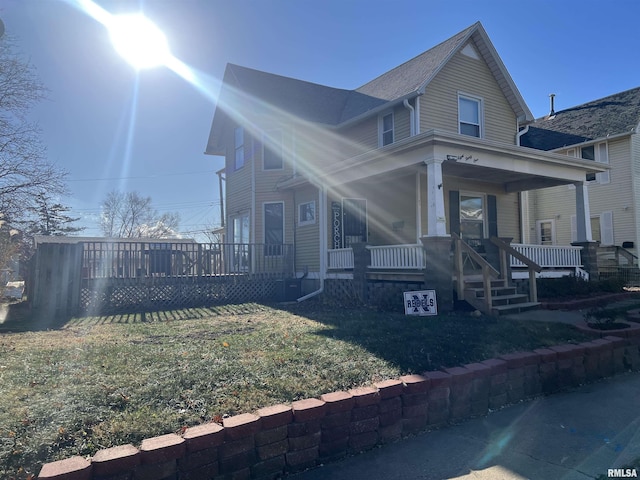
130	215
24	169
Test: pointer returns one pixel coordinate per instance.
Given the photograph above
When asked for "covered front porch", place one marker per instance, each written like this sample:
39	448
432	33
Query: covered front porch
449	209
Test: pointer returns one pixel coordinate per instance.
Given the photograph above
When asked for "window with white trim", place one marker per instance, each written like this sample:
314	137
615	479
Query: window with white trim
238	148
600	154
385	127
546	230
470	116
307	213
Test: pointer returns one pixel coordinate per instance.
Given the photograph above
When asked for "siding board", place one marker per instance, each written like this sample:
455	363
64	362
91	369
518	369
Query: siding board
439	104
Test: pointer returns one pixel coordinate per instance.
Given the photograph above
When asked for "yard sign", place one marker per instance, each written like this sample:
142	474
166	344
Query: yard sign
421	303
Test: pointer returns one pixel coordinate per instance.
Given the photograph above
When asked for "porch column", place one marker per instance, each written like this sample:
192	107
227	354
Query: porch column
436	220
583	214
584	237
437	243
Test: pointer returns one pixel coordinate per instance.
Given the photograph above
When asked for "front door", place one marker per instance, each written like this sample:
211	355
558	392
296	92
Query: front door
354	221
472	217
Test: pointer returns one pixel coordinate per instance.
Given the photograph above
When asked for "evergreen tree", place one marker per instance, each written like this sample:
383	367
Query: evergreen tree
50	218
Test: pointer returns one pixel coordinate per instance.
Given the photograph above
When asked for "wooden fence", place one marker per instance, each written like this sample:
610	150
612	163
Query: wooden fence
113	276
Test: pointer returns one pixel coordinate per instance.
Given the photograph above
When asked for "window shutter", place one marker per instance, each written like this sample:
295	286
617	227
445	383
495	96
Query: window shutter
603	157
606	228
492	215
454	211
574	228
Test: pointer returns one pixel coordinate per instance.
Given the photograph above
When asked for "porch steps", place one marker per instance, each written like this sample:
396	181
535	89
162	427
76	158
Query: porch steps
504	299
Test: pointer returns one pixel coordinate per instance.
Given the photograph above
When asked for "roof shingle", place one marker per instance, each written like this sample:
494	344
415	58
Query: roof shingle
612	115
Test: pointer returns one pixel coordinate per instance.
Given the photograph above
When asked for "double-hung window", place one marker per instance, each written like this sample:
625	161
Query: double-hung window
470	116
386	129
239	148
307	213
598	153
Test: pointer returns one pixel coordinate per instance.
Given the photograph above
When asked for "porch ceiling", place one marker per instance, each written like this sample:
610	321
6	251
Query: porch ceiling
509	181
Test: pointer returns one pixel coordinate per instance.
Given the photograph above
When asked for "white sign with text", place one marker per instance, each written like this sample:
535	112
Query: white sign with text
420	303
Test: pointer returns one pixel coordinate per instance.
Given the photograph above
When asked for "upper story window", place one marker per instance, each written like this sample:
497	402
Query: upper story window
239	148
272	151
385	128
470	116
600	154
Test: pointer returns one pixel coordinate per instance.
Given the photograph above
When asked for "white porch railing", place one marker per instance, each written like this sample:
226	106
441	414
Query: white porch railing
404	257
412	257
549	256
340	258
383	257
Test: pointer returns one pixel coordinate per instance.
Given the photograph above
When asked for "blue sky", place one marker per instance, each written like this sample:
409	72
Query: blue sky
113	128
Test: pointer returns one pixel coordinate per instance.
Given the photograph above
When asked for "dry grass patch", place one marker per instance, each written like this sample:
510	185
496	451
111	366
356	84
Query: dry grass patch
103	381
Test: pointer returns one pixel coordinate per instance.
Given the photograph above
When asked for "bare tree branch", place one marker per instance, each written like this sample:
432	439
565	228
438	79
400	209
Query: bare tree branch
130	215
25	171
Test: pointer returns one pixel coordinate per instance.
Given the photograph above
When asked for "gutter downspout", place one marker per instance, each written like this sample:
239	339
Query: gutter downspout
520	134
323	244
412	116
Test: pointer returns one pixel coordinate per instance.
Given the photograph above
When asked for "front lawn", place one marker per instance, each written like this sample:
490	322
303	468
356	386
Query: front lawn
97	382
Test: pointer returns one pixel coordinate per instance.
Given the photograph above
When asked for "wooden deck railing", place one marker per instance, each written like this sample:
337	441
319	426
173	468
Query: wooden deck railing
131	260
489	273
532	267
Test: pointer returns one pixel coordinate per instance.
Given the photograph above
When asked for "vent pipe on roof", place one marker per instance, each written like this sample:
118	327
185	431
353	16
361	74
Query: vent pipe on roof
552	97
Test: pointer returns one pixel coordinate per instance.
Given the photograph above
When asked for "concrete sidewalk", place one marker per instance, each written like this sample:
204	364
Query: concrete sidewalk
575	435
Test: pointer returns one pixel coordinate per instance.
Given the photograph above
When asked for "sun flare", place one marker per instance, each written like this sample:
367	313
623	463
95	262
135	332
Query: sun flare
139	41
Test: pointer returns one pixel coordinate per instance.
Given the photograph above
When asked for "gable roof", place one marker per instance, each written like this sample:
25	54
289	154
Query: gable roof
613	115
336	107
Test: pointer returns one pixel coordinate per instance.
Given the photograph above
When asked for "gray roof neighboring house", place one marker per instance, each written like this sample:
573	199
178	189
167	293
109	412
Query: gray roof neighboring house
336	107
613	115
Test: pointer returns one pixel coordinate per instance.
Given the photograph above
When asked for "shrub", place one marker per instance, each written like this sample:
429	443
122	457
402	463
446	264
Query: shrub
572	286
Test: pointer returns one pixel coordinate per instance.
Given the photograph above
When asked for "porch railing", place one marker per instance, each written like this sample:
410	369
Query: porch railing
135	260
340	259
383	257
548	256
405	257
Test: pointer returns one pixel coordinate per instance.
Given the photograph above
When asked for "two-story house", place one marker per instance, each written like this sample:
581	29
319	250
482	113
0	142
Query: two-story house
603	131
427	151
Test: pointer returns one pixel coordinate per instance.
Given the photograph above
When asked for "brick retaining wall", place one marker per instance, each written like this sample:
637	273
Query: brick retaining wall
288	438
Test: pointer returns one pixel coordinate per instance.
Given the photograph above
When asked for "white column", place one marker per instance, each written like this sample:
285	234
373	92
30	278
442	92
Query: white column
436	220
583	213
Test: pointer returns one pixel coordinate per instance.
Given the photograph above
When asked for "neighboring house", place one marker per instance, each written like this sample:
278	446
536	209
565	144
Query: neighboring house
425	150
604	131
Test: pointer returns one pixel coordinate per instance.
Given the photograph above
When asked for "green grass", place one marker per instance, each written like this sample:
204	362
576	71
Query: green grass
96	382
